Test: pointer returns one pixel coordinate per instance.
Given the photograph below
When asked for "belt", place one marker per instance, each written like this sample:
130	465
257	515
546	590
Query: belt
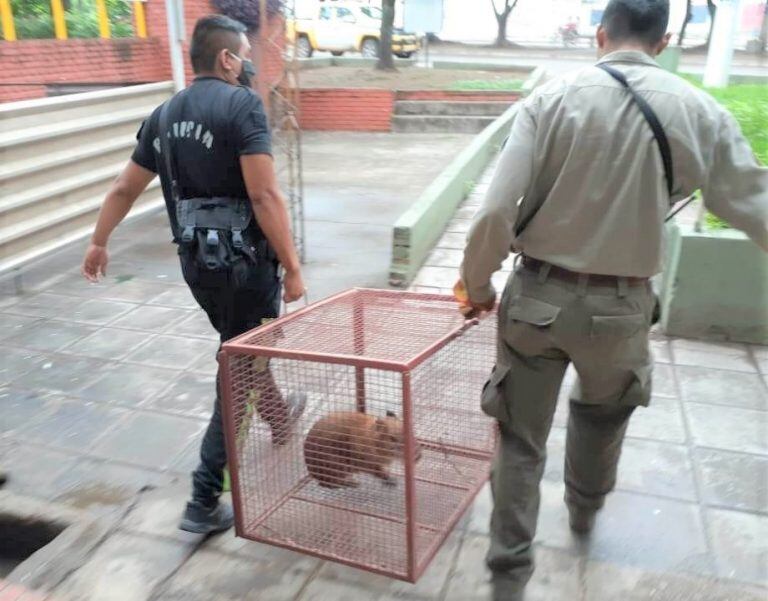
567	275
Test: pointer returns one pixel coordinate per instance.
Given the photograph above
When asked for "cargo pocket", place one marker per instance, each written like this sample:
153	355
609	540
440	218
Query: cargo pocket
532	311
639	391
525	318
493	401
617	326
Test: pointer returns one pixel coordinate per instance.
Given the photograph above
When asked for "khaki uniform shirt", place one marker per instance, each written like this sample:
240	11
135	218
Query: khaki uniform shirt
582	144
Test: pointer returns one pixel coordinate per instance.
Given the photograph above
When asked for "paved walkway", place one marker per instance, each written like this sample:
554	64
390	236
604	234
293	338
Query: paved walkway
105	389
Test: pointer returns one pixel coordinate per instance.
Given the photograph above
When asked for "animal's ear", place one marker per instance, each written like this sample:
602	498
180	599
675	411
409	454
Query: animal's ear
391	414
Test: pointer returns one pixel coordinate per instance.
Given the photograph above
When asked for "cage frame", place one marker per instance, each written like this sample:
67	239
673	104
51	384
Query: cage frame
416	565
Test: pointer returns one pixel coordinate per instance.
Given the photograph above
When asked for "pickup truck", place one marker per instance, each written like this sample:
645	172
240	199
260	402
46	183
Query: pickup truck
347	27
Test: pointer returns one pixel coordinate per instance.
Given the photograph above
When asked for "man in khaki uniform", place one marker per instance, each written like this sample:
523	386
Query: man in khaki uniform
582	152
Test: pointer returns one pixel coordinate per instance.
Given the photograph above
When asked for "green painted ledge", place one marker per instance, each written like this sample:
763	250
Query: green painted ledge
317	62
480	66
420	227
715	286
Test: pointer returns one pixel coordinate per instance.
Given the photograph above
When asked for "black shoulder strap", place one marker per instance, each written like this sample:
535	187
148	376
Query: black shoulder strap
165	135
525	217
653	121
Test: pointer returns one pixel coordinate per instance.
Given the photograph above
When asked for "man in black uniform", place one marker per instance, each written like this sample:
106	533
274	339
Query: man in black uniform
217	173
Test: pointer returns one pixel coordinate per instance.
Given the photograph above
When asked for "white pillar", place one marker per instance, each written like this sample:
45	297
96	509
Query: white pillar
174	11
720	56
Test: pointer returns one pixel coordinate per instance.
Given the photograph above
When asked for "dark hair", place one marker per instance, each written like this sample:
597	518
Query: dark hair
213	34
641	20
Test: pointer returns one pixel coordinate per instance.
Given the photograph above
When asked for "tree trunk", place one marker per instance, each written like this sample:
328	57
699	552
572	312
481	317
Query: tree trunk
502	18
712	7
764	30
688	15
501	35
386	58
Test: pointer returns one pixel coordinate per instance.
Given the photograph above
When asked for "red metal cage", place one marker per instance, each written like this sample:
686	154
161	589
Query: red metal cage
309	401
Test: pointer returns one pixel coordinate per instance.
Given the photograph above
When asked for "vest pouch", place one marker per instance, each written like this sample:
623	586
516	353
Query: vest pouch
215	241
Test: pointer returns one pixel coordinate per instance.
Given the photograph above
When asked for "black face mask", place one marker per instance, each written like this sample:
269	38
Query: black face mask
247	73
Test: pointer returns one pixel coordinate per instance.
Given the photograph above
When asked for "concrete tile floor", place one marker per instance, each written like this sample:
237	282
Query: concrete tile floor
105	388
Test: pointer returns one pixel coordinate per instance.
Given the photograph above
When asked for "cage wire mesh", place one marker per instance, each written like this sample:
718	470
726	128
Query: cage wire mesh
354	430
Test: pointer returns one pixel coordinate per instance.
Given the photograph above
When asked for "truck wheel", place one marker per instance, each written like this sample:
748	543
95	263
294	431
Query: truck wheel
370	48
337	52
303	47
404	54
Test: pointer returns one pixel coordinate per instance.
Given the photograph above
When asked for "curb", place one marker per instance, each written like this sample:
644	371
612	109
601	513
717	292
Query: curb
348	61
480	66
420	227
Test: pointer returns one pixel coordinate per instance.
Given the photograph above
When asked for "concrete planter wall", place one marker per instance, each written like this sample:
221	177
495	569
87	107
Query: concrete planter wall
670	58
372	109
417	230
317	62
715	286
346	109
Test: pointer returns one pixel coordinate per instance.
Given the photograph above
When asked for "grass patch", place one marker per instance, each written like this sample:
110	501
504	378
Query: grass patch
713	222
748	103
487	85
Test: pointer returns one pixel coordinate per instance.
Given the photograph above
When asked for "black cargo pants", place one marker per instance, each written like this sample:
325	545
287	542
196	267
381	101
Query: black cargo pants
233	308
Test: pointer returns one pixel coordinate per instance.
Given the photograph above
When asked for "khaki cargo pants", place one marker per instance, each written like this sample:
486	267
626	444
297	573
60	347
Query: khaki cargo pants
546	323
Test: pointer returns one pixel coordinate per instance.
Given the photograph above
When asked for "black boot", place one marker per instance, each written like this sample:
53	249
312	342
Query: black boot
506	589
199	519
581	519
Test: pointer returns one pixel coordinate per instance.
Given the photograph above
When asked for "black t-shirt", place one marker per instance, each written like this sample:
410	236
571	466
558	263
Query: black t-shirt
212	125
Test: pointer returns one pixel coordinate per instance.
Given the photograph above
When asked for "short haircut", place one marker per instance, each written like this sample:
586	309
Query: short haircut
644	21
213	34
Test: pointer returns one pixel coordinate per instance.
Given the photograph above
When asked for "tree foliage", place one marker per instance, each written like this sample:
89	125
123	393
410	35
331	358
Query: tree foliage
248	12
33	18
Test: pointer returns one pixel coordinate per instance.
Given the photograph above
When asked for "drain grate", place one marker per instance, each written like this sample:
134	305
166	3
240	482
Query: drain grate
21	536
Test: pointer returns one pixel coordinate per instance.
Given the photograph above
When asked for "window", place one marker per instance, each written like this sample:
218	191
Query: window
371	11
345	15
325	14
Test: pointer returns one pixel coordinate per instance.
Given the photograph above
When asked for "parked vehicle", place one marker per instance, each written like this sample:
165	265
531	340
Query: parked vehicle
347	27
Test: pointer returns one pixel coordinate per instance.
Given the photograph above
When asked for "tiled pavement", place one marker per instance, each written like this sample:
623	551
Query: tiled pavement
111	384
14	592
105	389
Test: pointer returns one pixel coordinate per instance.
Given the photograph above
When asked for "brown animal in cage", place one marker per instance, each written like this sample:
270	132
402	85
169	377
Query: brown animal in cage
342	444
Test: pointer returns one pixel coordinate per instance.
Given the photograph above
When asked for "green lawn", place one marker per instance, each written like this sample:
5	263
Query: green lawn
749	104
